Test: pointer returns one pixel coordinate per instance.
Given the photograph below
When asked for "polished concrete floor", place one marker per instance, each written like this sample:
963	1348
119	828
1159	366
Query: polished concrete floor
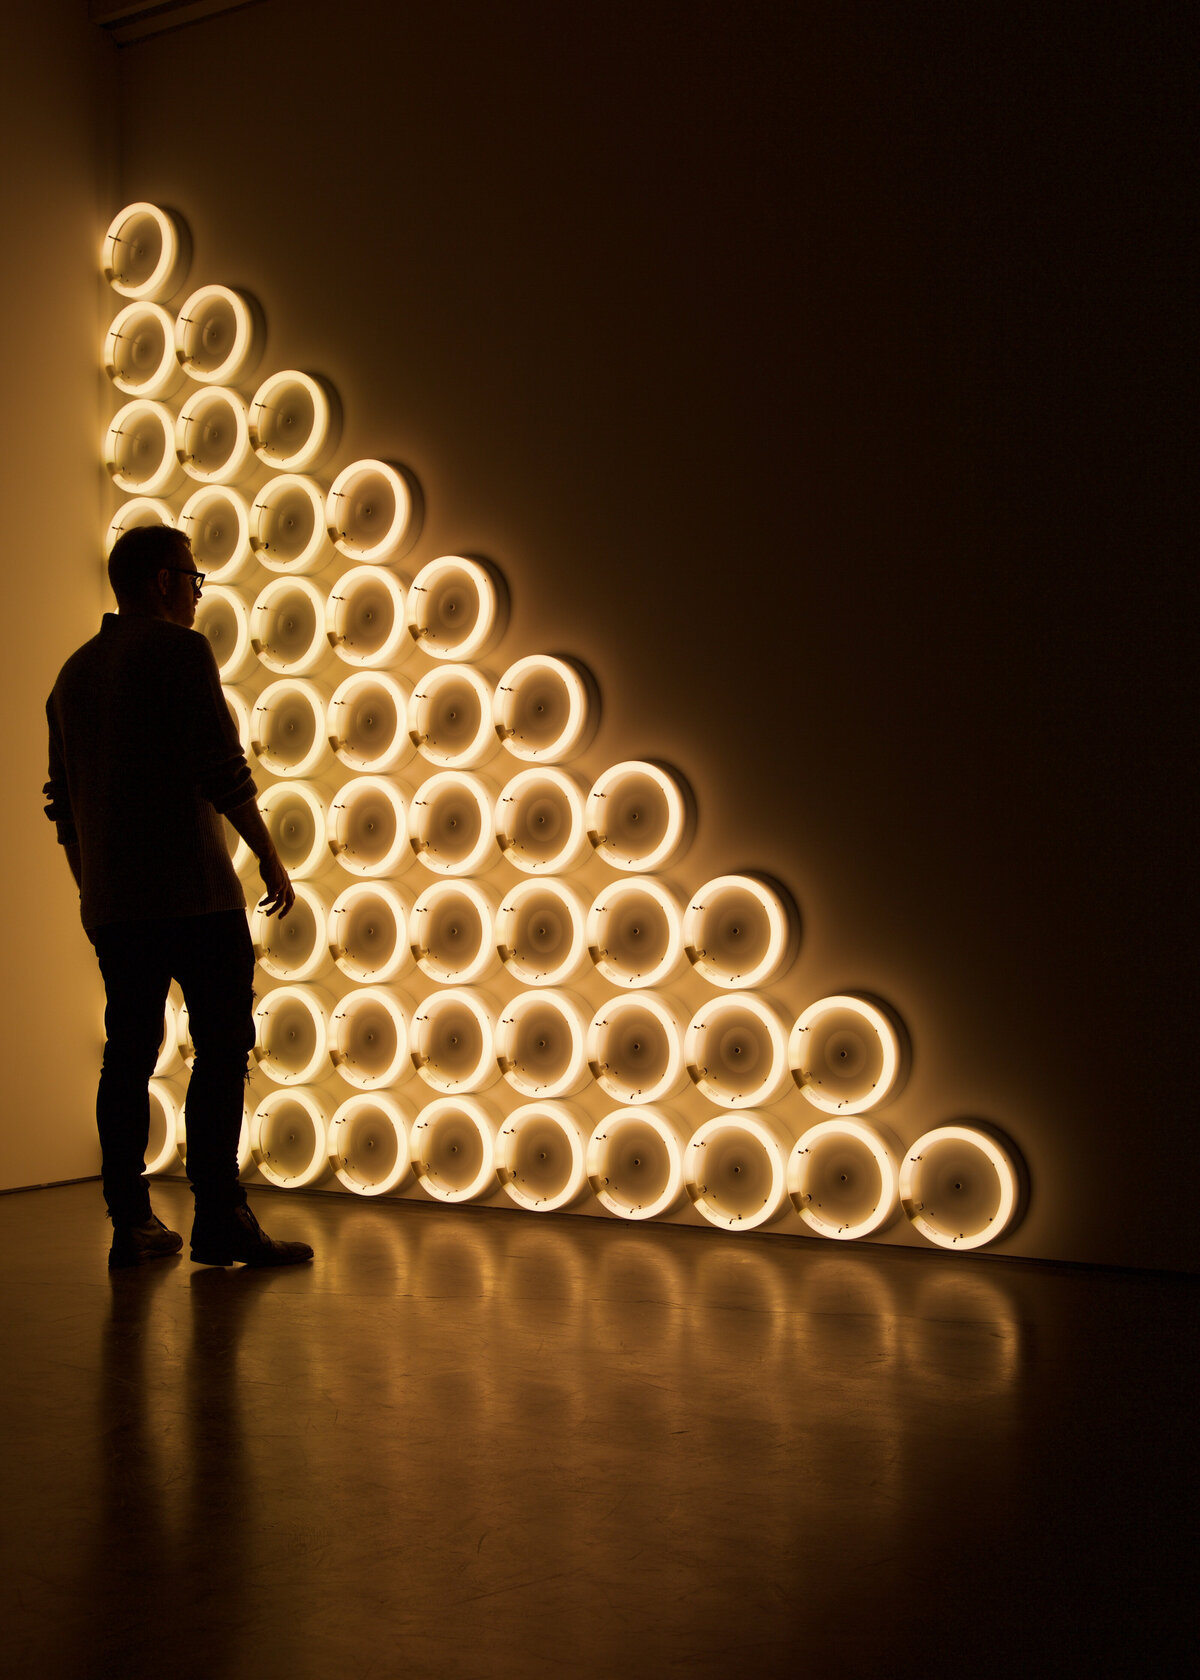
480	1443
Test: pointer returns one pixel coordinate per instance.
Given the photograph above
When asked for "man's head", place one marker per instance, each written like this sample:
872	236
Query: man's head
151	571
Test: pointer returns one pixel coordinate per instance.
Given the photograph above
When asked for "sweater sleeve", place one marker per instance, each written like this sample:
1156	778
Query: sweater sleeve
222	774
58	797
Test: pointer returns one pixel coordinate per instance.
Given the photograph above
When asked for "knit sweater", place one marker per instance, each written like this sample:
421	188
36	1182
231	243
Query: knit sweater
144	759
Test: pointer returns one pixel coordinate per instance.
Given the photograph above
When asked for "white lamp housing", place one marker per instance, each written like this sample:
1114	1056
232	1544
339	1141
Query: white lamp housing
287	525
367	722
456	608
368	826
287	626
371	512
540	822
639	816
216	520
139	510
738	932
635	1162
364	618
294	813
294	421
451	823
541	933
452	1040
541	1156
737	1051
368	932
139	352
544	710
635	932
453	1148
139	449
368	1144
635	1049
287	727
450	719
146	251
162	1152
223	617
212	437
292	1027
843	1178
289	1139
218	336
735	1170
958	1186
845	1054
541	1043
452	931
294	947
368	1038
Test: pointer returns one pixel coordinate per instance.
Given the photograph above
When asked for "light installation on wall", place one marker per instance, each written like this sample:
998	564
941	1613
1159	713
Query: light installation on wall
493	985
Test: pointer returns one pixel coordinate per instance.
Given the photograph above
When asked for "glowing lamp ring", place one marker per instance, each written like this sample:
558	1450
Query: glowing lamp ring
308	999
310	656
779	932
314	552
136	320
232	664
769	1137
339	617
526	784
310	962
311	450
344	905
189	334
342	809
481	634
193	522
424	1023
306	692
341	1028
858	1131
424	1128
173	254
142	418
876	1023
707	1020
319	1161
998	1159
570	738
562	1117
626	974
575	1073
675	826
190	425
508	924
399	532
341	703
668	1134
138	511
168	1104
674	1075
378	1102
276	795
425	695
483	903
424	808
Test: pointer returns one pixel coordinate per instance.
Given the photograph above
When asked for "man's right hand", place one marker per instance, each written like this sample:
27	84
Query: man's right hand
281	894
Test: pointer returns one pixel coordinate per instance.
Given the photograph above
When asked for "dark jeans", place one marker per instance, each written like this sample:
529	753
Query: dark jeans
213	960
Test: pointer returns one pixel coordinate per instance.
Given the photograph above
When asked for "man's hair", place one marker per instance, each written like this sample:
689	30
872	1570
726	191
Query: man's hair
138	555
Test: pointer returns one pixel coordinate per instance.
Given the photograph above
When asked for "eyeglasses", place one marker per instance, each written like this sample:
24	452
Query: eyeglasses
196	577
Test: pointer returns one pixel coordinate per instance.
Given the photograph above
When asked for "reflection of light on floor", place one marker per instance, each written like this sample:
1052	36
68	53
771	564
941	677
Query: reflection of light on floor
980	1317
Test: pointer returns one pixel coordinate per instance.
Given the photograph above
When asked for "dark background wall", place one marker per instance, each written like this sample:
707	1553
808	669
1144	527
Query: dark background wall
815	373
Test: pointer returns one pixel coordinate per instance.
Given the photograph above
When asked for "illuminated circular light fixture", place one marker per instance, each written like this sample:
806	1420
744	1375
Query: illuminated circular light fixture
212	438
364	618
370	512
450	719
216	521
639	816
635	1049
541	1044
169	1058
292	1026
368	1144
161	1149
368	826
544	709
218	335
368	1038
287	626
452	1042
845	1054
457	608
452	823
287	727
452	932
239	711
239	852
735	1170
138	511
289	1139
540	822
139	352
452	1143
635	933
367	722
739	932
737	1051
294	813
287	525
368	932
139	449
294	947
635	1162
222	616
958	1186
146	251
843	1178
541	933
294	421
541	1156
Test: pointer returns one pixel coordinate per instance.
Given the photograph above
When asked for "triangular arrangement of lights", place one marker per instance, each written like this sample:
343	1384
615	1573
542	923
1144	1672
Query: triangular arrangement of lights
383	1058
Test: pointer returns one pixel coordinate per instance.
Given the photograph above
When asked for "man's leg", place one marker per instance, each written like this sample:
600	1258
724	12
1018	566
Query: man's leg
136	976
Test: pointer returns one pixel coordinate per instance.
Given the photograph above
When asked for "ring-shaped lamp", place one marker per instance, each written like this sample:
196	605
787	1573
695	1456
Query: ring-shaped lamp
287	525
290	1159
735	1170
452	1040
294	421
737	1051
218	335
541	933
635	1162
364	618
169	1058
455	608
216	521
635	932
287	727
541	1044
822	1218
294	947
367	831
212	438
287	626
368	1038
138	511
541	1153
452	823
370	512
139	449
296	820
936	1225
368	932
368	1144
543	711
638	816
540	823
367	722
450	719
848	1072
452	932
239	711
162	1158
738	932
452	1143
146	251
139	352
223	617
635	1049
292	1018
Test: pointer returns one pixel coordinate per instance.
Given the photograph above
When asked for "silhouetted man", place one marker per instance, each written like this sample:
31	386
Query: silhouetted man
144	763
